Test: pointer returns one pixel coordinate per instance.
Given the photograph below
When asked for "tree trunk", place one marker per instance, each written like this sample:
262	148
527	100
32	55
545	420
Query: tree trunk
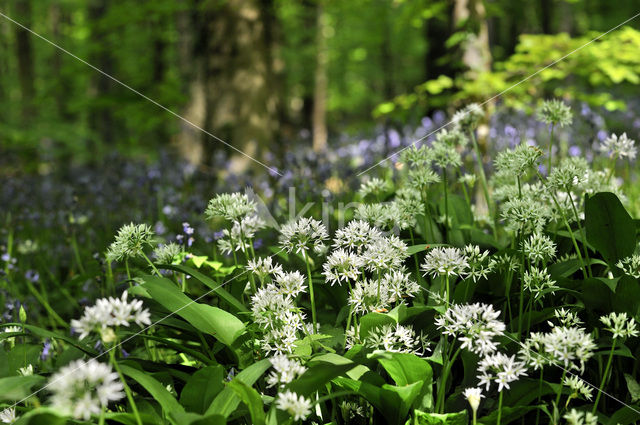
100	118
24	53
321	83
476	54
437	31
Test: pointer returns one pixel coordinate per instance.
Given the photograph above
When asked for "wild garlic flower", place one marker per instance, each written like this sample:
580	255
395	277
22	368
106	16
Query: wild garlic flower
474	325
420	178
565	318
555	112
518	161
26	371
579	417
416	156
468	179
286	370
444	152
111	312
445	261
8	415
263	267
578	387
297	406
619	147
342	266
303	235
392	338
452	137
539	282
370	295
166	253
620	325
570	173
290	284
469	117
539	248
399	285
352	410
630	265
375	214
570	347
130	242
356	236
232	206
479	264
501	369
386	253
403	211
505	262
524	214
473	396
375	187
81	389
239	236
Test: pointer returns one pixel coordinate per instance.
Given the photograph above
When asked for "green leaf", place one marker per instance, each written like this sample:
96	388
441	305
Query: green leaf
251	399
227	401
207	281
202	388
374	320
14	388
610	228
633	387
188	418
211	320
44	333
156	389
41	416
319	374
424	418
406	369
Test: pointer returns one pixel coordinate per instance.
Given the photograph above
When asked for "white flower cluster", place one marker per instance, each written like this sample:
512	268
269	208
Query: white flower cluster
286	370
620	325
297	406
475	325
579	417
356	236
130	242
8	415
263	267
304	235
578	387
570	347
239	237
82	389
379	294
392	338
539	248
232	206
166	253
111	312
473	396
342	266
539	282
630	265
501	369
445	261
385	253
376	187
274	311
619	147
479	263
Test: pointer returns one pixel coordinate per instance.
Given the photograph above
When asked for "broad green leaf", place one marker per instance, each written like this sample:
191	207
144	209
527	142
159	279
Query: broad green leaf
251	399
189	418
373	320
227	401
339	360
14	388
407	369
633	387
156	389
44	333
201	388
457	418
207	281
318	375
610	229
208	319
41	416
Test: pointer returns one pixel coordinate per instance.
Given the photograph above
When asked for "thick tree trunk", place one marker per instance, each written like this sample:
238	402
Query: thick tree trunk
476	54
437	31
321	84
24	53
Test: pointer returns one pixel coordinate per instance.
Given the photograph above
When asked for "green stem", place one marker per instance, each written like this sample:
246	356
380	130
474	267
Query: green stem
127	390
313	300
446	204
483	177
539	396
550	148
564	375
446	294
155	270
605	376
126	266
582	233
522	265
76	252
499	408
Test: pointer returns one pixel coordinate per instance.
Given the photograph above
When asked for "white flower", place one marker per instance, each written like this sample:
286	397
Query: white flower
26	371
578	386
111	312
539	248
263	267
165	254
130	242
82	389
297	406
501	369
479	264
232	206
370	295
620	325
355	236
445	261
386	253
473	396
630	265
395	339
619	147
376	187
570	347
286	370
290	283
342	266
577	417
8	415
538	282
399	285
303	235
475	325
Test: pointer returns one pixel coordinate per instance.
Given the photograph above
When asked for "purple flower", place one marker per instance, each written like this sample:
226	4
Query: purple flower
32	276
575	151
46	350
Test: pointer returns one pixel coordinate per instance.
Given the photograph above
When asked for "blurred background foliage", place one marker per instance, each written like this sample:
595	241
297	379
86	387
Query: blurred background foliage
269	76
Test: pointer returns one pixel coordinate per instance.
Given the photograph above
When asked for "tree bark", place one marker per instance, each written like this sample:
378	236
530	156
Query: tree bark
476	54
24	53
321	83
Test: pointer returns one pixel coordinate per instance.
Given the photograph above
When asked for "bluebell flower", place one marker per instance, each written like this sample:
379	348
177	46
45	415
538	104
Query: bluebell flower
46	350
